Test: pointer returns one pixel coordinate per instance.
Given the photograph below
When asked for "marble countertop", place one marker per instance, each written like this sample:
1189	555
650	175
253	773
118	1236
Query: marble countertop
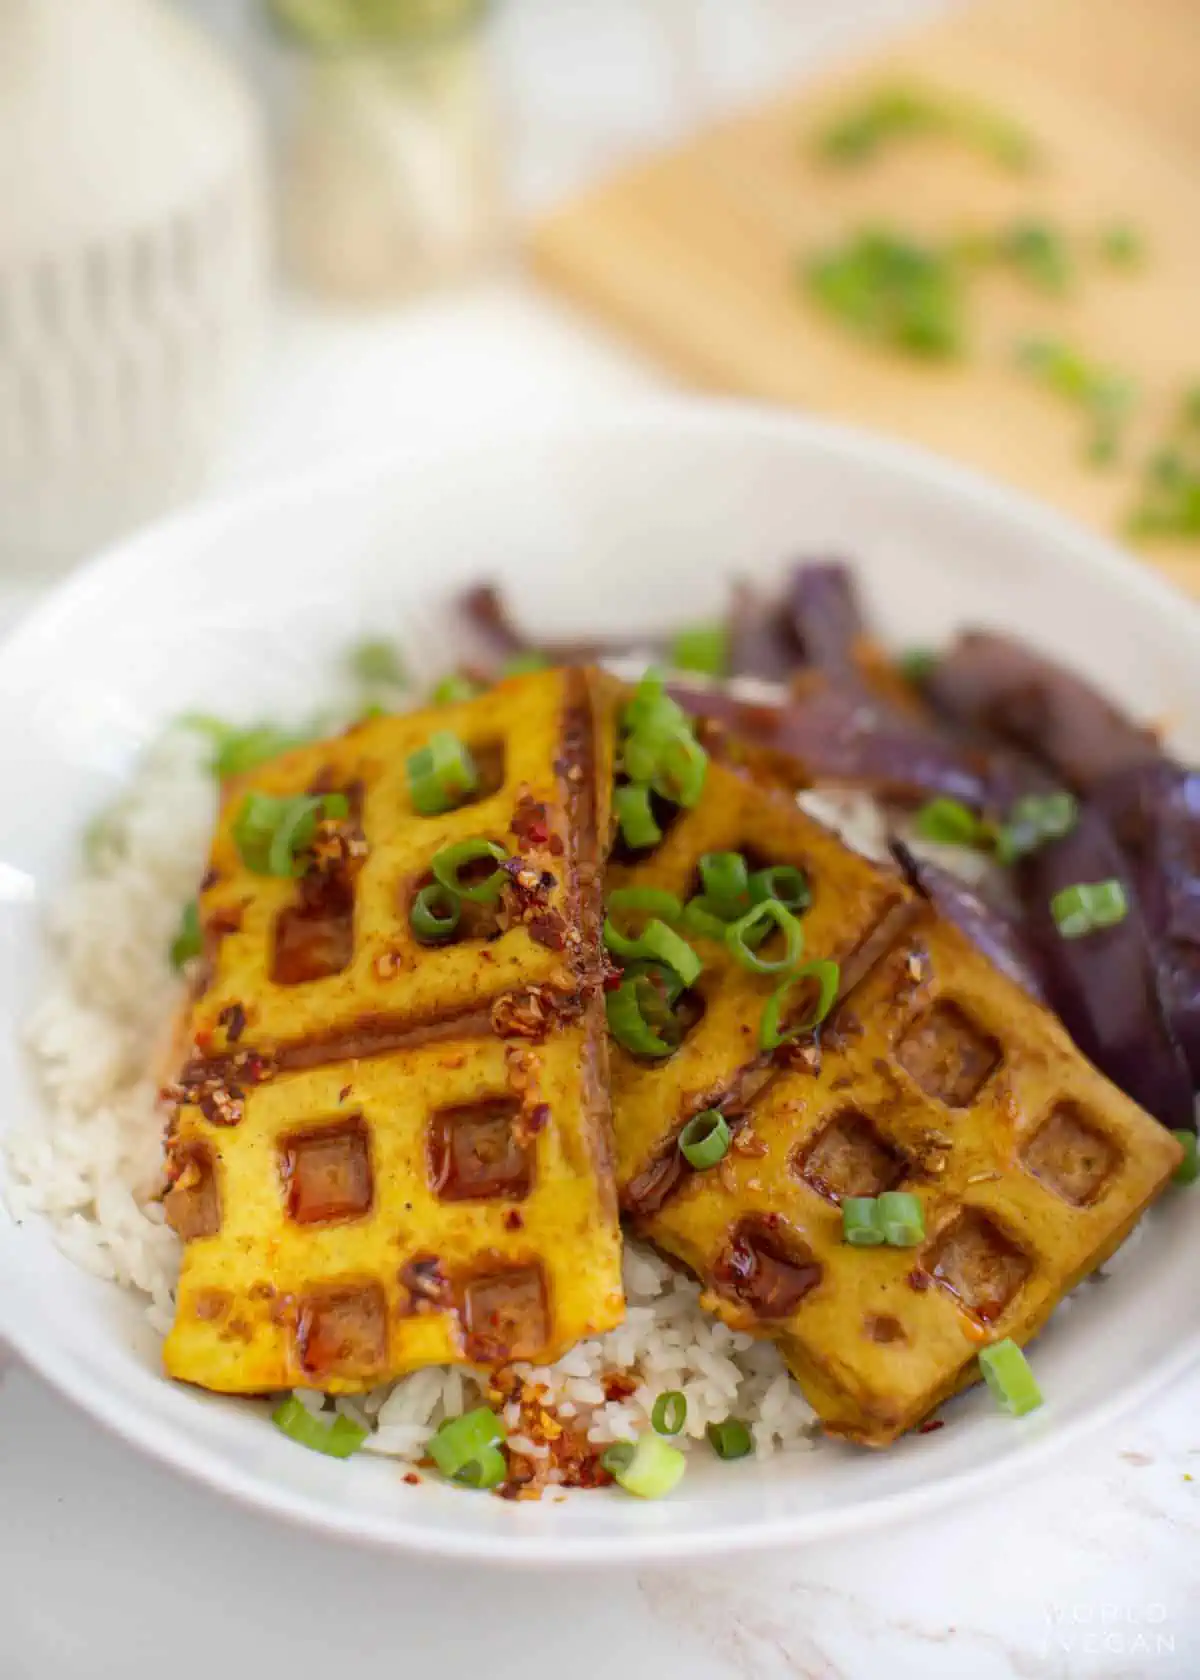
109	1565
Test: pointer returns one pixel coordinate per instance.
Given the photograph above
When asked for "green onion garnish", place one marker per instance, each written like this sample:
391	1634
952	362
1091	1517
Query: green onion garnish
648	1469
725	880
377	662
670	1412
448	866
1121	245
917	665
860	1222
235	751
1034	820
452	689
1105	397
656	942
901	1218
435	914
827	975
705	648
660	748
338	1438
461	1447
1188	1170
949	823
272	833
897	111
188	941
1085	908
442	774
881	286
700	918
638	825
636	1012
524	664
1039	253
730	1438
705	1139
741	936
651	709
1006	1372
782	882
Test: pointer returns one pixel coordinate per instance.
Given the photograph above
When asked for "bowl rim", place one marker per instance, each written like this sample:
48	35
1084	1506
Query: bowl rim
56	1363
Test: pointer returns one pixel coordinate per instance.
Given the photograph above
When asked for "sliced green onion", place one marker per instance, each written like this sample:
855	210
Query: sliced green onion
293	834
639	828
487	1470
656	942
1085	908
270	833
650	708
524	664
460	1441
901	1218
378	662
648	1469
1188	1170
949	823
453	688
827	974
670	1412
442	774
917	665
1034	820
860	1222
782	882
435	914
1121	245
705	648
448	866
740	937
726	884
189	940
699	917
338	1438
663	979
682	767
1006	1372
631	1012
705	1139
235	751
730	1438
655	901
660	944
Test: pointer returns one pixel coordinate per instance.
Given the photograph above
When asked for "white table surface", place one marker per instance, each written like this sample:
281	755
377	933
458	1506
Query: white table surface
111	1566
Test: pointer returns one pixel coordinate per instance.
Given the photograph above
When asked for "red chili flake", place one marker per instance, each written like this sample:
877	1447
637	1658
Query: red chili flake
612	980
210	879
413	1479
344	1092
918	1280
513	1221
930	1424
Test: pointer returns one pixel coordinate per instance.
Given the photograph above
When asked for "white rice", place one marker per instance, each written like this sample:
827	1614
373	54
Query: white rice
91	1162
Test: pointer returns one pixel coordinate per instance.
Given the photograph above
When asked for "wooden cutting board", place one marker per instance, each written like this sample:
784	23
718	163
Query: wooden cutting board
694	253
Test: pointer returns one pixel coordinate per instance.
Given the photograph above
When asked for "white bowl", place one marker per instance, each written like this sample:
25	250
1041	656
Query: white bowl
634	521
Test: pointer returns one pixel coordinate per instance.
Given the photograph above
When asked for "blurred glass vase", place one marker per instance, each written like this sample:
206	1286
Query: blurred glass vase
389	171
131	266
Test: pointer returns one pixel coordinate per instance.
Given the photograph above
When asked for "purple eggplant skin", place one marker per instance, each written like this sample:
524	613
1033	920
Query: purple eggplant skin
995	935
761	643
825	615
1154	811
1105	985
835	734
991	682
